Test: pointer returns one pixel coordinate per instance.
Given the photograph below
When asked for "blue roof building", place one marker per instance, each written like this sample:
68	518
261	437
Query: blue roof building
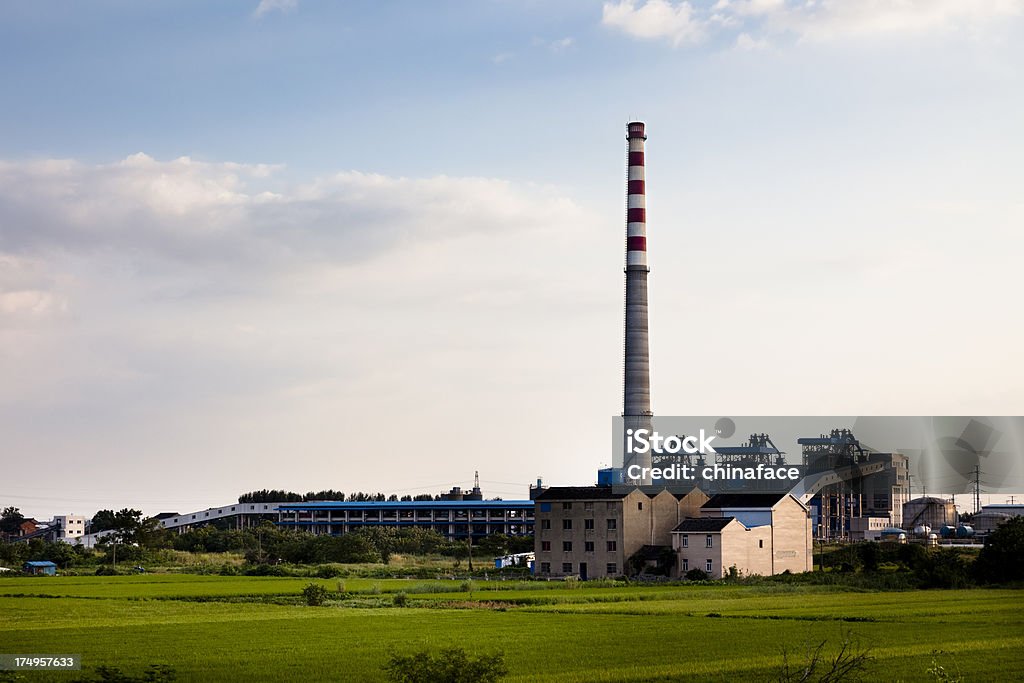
41	567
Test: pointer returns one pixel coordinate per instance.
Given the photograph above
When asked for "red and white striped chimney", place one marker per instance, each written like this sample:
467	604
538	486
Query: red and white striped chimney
636	399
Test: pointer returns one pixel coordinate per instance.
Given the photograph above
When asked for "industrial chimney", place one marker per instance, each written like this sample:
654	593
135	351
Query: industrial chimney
636	399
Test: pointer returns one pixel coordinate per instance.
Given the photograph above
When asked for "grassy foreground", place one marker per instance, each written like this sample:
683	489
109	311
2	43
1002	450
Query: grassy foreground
212	628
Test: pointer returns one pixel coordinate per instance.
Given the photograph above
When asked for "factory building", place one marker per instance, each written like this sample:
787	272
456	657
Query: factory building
592	531
757	533
453	519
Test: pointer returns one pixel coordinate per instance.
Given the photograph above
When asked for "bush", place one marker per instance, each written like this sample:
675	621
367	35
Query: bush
451	665
696	575
400	599
154	673
315	595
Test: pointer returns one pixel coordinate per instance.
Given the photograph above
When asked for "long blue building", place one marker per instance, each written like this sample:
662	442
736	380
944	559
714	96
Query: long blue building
453	519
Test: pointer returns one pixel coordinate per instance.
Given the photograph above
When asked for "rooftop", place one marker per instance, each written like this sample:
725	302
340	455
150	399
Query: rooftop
743	500
584	493
703	524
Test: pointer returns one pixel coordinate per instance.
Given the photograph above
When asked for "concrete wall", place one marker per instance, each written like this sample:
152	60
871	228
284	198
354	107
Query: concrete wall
791	537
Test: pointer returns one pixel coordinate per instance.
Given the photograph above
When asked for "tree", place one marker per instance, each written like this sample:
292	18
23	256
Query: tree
11	520
1002	558
102	521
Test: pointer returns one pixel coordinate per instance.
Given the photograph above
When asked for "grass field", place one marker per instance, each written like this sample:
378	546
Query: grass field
213	628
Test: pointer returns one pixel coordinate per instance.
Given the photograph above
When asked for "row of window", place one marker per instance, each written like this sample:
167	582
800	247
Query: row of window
588	524
588	546
707	566
545	568
709	541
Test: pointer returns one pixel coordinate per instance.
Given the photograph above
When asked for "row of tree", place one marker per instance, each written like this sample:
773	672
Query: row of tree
282	496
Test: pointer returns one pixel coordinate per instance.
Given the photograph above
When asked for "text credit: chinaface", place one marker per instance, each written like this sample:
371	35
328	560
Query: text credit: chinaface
643	441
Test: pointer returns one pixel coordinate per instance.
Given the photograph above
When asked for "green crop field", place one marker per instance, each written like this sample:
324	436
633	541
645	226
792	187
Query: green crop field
212	628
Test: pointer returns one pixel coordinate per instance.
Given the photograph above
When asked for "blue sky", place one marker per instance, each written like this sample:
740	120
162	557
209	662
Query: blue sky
241	240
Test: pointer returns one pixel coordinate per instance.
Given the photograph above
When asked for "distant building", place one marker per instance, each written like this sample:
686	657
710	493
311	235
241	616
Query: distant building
592	531
40	568
868	528
68	527
758	533
455	520
989	517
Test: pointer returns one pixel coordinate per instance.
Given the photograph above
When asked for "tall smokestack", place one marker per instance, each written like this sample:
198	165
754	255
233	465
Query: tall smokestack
636	395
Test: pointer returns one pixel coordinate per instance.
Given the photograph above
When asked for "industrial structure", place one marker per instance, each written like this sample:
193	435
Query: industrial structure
636	385
928	513
848	486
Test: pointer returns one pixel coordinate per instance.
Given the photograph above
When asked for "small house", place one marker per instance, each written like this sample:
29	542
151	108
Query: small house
41	567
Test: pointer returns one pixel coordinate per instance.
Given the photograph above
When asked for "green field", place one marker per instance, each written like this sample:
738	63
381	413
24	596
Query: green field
213	628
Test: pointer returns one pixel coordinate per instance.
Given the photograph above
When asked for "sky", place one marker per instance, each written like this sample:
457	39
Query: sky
378	245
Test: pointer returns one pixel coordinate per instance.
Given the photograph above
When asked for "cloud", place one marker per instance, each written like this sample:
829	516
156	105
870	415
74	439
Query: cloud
745	41
683	23
561	44
655	19
267	6
196	211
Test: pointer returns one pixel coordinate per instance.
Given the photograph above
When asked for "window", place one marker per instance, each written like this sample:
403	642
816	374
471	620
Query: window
588	506
686	541
545	567
566	546
567	506
640	506
760	544
588	546
545	524
566	523
708	566
611	546
567	567
686	565
545	546
611	524
611	568
545	507
588	524
709	542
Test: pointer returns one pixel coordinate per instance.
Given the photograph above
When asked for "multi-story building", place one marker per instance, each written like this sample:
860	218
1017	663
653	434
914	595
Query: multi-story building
757	533
68	527
592	531
453	519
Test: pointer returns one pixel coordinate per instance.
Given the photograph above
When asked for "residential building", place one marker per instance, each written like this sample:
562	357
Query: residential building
593	531
758	533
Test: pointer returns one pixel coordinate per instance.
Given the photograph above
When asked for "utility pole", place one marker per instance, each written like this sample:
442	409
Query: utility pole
977	488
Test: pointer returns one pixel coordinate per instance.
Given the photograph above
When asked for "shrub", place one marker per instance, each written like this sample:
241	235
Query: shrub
315	595
400	599
154	673
451	665
696	575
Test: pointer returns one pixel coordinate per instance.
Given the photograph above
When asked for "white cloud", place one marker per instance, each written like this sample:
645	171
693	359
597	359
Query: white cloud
235	213
561	43
676	22
815	20
266	6
745	41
